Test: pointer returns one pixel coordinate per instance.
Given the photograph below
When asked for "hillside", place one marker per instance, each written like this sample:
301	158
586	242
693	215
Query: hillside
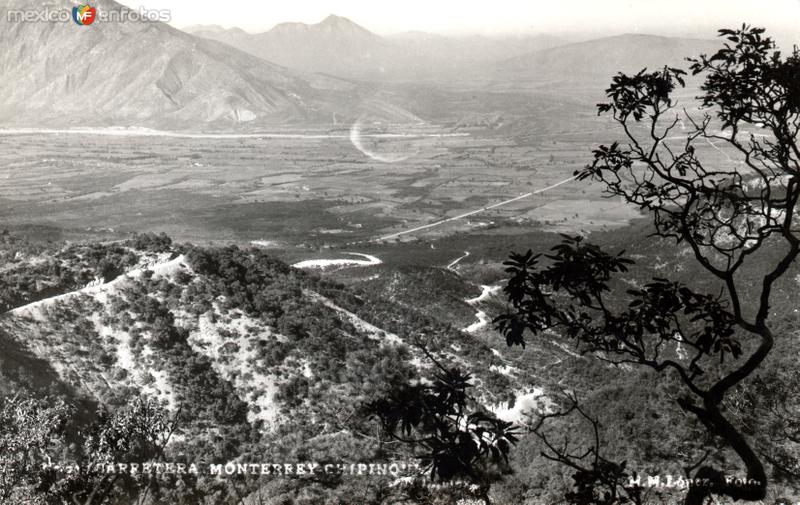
591	63
256	357
245	350
100	75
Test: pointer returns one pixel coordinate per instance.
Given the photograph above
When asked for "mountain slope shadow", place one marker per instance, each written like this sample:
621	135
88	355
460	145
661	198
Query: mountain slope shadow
20	370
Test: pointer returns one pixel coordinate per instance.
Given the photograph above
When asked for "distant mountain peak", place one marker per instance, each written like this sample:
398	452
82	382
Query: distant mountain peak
339	23
332	24
334	19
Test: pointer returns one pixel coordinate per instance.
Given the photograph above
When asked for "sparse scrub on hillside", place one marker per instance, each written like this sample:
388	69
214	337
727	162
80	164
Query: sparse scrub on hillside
254	356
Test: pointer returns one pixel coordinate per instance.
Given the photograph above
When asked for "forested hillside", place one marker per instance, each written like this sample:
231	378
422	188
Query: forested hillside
251	358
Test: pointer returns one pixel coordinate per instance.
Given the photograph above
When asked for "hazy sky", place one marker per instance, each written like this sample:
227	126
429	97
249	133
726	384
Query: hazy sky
496	16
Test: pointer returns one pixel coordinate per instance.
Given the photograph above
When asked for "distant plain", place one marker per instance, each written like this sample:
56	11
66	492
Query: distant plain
302	194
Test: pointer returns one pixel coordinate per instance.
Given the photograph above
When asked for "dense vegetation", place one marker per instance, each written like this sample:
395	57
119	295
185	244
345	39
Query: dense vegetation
189	328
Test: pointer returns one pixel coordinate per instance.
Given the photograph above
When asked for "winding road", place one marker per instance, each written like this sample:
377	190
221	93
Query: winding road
323	264
456	261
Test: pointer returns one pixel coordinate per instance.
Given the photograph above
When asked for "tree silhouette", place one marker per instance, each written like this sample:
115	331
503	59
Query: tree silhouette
598	480
738	221
453	438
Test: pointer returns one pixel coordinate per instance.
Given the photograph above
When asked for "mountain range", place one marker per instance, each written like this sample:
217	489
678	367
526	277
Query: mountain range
338	46
150	74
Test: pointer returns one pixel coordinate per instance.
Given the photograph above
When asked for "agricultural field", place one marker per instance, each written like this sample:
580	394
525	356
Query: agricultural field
316	187
302	192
